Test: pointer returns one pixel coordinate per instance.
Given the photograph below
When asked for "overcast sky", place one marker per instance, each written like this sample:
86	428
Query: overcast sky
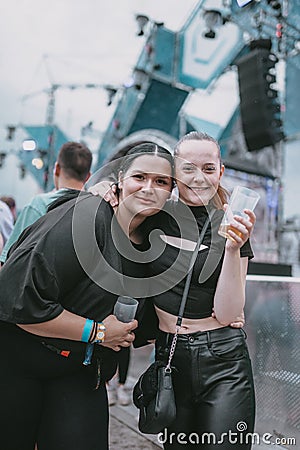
71	42
68	42
74	42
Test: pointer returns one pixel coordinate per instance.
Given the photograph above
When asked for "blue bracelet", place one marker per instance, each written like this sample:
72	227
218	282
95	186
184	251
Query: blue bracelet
87	329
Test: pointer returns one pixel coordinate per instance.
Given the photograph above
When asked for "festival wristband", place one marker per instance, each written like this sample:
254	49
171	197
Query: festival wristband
87	329
100	333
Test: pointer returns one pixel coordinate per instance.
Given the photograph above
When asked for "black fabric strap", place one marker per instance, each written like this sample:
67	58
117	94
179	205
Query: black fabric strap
190	271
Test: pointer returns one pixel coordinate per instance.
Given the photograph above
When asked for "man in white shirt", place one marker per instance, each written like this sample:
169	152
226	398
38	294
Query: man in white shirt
6	223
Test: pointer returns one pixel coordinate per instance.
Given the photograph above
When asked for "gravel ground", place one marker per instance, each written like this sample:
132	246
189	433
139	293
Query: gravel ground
122	437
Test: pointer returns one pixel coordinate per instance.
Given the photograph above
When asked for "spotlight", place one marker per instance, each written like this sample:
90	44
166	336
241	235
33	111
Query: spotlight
22	171
29	145
141	22
38	163
276	6
213	20
111	92
139	76
296	50
87	128
2	159
10	132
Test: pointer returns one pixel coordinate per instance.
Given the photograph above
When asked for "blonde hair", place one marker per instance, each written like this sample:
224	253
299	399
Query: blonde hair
222	194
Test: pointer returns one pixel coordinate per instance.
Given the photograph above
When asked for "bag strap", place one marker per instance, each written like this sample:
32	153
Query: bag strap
186	291
190	272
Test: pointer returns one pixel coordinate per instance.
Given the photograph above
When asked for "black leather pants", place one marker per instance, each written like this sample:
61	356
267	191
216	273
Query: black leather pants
213	389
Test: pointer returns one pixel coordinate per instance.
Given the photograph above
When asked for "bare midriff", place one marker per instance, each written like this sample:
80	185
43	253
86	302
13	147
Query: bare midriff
167	323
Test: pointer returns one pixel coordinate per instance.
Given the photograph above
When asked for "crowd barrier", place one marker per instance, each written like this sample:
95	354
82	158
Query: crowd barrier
272	326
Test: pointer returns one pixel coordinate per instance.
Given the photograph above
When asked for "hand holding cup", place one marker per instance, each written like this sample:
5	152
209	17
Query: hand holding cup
125	308
242	198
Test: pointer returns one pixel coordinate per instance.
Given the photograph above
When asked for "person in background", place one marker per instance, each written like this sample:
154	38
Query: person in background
71	171
11	203
6	223
116	390
58	289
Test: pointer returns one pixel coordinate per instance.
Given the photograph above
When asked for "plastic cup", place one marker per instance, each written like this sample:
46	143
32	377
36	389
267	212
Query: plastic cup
125	308
241	198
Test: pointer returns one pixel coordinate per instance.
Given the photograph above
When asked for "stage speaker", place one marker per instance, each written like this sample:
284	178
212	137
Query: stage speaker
259	105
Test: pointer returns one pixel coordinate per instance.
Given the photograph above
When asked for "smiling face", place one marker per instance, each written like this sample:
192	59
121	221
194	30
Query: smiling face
198	171
145	186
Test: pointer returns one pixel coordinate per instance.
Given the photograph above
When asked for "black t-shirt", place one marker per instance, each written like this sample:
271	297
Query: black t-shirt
76	258
135	268
68	259
184	224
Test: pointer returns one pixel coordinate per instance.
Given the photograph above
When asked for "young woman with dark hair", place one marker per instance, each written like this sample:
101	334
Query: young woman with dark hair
58	290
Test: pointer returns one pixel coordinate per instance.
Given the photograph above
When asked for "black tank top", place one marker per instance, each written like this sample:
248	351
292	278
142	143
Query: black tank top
184	222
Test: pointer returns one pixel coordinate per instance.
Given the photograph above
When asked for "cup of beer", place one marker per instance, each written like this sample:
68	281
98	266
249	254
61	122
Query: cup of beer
241	198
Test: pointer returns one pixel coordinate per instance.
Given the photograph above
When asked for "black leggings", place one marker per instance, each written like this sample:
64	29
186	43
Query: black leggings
48	398
213	390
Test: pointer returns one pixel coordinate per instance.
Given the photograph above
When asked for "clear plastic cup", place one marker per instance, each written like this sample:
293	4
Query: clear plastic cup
241	198
125	308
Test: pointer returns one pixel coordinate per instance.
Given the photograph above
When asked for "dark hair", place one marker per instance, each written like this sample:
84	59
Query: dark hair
222	194
10	201
147	148
76	160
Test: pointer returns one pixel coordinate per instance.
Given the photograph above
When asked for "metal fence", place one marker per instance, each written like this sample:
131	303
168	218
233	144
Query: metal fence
273	329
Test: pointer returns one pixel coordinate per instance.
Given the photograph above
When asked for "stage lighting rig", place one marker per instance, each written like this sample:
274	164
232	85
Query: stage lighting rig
142	21
213	20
